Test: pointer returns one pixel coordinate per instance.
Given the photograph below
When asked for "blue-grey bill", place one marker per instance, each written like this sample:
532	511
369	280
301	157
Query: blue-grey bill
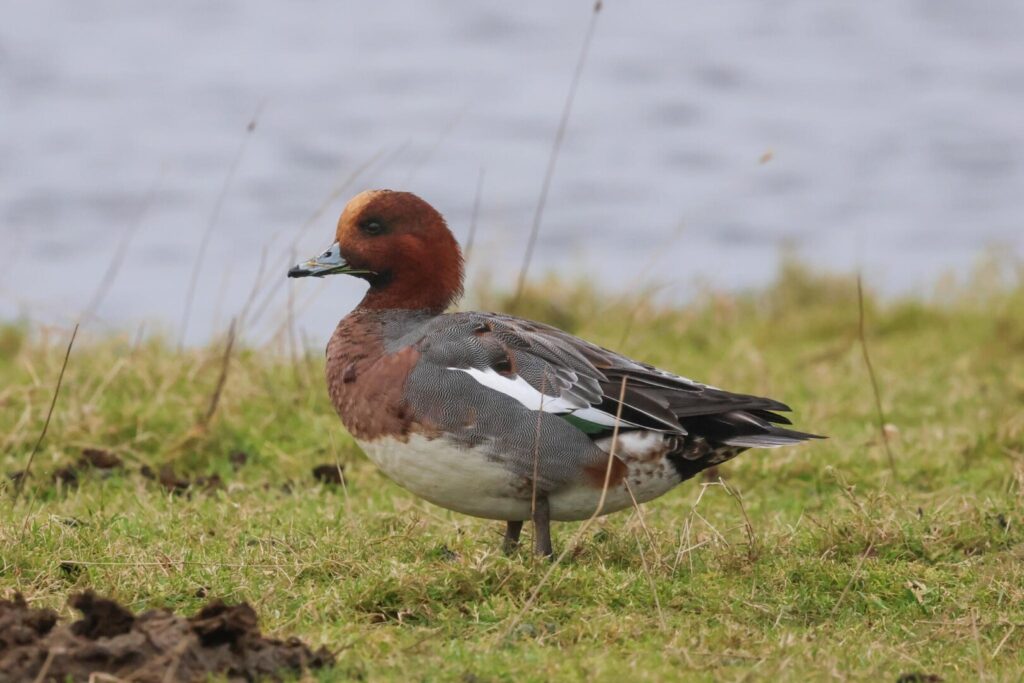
328	263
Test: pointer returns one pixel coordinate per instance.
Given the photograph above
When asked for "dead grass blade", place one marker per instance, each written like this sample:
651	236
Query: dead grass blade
747	525
856	573
474	217
122	248
244	315
1009	632
685	546
871	374
536	443
273	276
643	556
210	225
49	415
553	158
338	191
425	157
45	668
583	527
980	659
293	343
222	379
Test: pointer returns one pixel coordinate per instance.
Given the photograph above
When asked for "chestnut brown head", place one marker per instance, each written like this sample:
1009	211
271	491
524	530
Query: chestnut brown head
400	245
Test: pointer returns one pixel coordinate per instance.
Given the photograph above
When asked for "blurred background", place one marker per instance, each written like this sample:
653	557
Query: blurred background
707	138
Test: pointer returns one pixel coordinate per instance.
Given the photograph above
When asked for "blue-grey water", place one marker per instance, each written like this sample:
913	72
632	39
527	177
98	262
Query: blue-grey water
707	135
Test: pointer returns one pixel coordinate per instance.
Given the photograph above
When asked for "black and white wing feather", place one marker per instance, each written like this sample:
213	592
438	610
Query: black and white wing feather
547	369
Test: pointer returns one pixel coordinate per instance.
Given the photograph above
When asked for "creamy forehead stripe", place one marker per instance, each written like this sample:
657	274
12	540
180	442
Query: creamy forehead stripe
356	205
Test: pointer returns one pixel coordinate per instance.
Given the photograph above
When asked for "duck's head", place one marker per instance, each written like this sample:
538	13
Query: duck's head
400	245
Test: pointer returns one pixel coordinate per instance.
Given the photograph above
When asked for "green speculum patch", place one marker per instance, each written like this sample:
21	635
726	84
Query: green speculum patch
585	426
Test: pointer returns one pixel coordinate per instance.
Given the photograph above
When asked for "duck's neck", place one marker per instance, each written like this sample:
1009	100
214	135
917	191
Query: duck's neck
393	293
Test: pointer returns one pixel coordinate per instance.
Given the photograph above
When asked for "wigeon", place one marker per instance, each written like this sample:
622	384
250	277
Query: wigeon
500	417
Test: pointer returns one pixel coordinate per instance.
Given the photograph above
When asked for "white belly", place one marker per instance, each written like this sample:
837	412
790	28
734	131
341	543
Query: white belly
470	482
463	480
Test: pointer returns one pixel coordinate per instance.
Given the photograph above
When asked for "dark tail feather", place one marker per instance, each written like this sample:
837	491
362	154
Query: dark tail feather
771	417
775	436
746	429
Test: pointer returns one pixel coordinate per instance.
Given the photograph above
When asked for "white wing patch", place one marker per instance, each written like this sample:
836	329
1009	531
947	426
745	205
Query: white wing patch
519	389
522	391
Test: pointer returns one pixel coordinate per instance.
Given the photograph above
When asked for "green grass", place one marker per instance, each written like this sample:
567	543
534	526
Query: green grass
847	571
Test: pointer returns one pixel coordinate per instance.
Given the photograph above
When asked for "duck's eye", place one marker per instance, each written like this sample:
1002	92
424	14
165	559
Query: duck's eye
372	227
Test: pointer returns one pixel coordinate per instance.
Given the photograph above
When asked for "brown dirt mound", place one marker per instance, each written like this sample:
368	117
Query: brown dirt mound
157	645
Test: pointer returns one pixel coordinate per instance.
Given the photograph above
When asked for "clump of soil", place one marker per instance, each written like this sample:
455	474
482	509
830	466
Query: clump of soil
155	646
238	459
91	459
99	459
328	474
66	475
178	484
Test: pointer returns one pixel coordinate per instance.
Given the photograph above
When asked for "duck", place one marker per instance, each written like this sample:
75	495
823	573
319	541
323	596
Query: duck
499	417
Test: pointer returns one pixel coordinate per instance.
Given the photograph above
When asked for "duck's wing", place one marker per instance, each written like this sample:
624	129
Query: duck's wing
547	369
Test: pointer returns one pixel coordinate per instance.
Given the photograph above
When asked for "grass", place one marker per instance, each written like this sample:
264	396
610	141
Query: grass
818	562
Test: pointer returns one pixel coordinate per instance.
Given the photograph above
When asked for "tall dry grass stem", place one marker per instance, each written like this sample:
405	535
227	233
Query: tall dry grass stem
980	658
747	524
45	668
222	379
427	154
243	316
293	343
204	244
274	275
556	147
107	281
536	443
337	192
1009	632
686	548
583	527
474	217
871	373
300	310
643	556
49	415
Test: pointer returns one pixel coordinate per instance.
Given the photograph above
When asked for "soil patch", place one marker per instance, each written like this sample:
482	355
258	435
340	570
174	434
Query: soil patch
176	483
238	459
154	646
329	474
99	458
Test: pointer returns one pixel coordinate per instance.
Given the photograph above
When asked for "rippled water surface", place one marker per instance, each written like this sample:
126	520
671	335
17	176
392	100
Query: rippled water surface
706	136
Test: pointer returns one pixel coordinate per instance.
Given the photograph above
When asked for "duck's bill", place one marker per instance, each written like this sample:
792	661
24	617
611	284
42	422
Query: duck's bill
328	263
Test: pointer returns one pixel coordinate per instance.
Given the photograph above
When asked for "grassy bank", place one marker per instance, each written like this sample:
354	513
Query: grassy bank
827	564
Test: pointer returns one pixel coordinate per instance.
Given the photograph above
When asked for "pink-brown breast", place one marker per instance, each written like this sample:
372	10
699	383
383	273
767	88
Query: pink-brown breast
366	384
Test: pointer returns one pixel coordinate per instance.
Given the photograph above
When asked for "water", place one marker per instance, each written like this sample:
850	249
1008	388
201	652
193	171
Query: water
894	131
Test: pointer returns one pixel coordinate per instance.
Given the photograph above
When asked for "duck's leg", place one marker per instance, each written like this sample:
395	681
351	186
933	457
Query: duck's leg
542	528
512	529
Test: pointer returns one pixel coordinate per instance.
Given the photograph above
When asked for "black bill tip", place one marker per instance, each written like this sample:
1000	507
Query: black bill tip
298	271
